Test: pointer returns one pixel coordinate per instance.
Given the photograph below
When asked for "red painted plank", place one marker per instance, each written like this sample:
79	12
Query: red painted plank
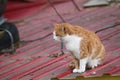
40	66
115	70
21	54
47	73
2	55
110	34
64	74
16	5
115	50
25	58
36	43
90	17
20	67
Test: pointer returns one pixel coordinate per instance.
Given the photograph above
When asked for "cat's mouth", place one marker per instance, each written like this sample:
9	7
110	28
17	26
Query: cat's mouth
57	38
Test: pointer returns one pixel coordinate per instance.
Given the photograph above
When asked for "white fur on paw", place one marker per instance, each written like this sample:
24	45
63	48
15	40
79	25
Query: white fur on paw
75	70
81	70
78	70
93	63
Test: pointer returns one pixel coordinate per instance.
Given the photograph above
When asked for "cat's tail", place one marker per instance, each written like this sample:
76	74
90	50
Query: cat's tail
98	60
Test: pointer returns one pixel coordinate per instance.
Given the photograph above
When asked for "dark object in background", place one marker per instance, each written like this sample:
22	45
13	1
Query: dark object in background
3	4
5	40
6	43
95	3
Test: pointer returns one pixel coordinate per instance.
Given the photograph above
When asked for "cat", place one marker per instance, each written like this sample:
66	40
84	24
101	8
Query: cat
84	45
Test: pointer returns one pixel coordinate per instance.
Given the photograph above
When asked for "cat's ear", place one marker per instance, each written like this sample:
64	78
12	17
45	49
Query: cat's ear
55	24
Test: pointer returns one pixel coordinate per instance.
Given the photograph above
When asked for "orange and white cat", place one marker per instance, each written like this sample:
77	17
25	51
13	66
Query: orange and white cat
84	45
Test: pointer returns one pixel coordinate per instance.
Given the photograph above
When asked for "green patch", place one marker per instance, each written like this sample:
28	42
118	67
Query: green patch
104	77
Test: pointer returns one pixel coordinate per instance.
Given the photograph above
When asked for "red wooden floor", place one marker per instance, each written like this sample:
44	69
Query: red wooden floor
32	62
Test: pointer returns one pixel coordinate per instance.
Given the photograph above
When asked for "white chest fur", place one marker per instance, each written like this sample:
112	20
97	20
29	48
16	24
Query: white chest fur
72	43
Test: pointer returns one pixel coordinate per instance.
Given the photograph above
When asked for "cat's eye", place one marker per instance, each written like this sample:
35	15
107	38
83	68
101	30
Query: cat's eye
63	29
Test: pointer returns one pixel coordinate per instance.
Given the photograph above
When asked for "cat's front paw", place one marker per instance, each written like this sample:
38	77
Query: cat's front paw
78	70
81	70
75	70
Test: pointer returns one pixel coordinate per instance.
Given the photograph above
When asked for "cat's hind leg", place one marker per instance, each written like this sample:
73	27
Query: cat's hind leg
92	63
97	58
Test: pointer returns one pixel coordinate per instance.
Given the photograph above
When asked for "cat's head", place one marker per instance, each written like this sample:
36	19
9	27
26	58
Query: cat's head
61	31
